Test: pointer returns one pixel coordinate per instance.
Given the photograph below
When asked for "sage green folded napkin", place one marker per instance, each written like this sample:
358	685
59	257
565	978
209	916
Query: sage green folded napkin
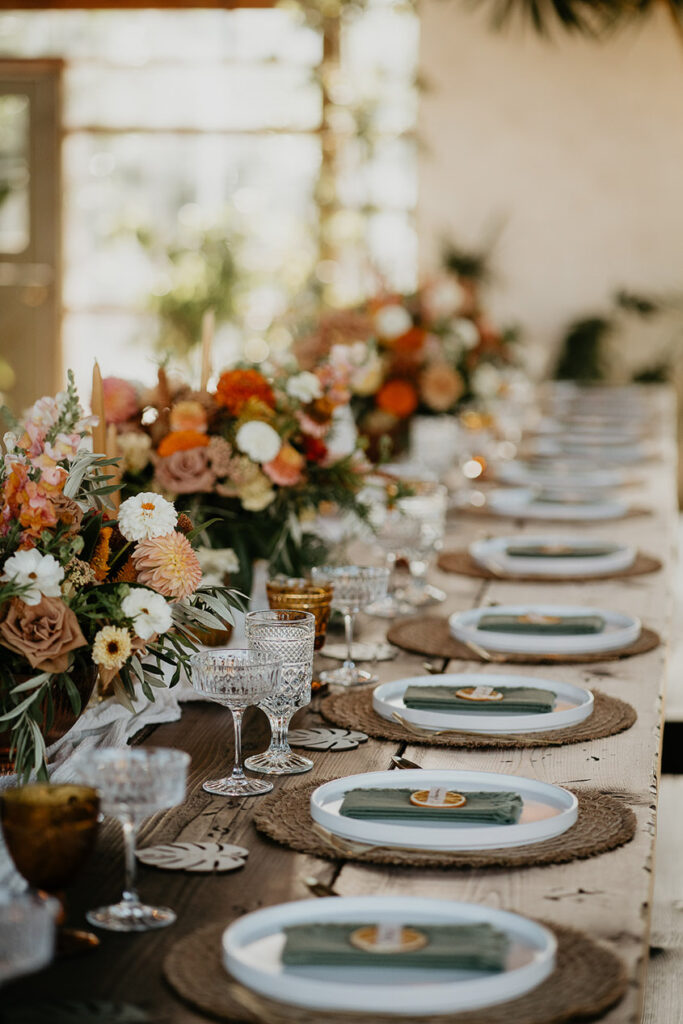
560	551
394	804
476	947
516	700
561	625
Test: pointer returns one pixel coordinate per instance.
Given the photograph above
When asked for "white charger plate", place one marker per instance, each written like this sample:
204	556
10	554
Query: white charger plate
608	455
548	811
525	475
493	554
620	630
521	501
573	705
252	952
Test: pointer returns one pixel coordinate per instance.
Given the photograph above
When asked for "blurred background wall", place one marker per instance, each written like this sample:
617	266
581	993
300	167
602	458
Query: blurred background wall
575	147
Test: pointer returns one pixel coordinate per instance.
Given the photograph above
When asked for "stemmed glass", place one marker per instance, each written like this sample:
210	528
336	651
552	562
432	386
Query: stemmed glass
27	934
397	534
50	831
289	636
237	679
428	509
355	587
133	784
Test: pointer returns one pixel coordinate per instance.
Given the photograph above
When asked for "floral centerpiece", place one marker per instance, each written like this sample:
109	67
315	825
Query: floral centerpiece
257	457
83	591
427	353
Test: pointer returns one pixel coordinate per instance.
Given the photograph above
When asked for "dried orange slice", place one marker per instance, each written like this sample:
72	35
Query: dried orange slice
479	693
366	938
450	799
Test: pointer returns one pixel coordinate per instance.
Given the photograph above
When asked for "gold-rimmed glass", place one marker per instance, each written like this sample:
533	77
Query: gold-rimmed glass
50	830
298	594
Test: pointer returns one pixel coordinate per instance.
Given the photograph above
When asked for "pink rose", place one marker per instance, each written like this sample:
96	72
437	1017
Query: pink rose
185	472
44	634
120	400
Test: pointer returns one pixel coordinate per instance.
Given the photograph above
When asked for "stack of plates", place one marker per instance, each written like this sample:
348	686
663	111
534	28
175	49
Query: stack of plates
253	948
567	562
581	475
548	811
620	630
553	504
572	705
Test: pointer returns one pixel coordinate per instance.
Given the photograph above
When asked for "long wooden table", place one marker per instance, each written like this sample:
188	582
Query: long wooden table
607	896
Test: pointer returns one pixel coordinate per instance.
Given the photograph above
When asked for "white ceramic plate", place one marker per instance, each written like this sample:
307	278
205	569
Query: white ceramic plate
595	451
252	953
493	554
620	630
573	705
521	501
548	811
564	471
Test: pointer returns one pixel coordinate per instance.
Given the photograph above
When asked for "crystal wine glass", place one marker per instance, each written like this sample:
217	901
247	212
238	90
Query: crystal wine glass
27	934
50	831
237	679
133	784
428	509
355	588
397	534
290	636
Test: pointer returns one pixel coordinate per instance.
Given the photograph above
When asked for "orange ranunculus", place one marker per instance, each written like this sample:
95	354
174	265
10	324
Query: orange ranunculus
182	441
286	469
236	387
397	397
188	415
411	341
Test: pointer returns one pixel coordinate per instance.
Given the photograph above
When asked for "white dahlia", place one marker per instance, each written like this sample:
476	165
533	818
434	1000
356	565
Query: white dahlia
258	440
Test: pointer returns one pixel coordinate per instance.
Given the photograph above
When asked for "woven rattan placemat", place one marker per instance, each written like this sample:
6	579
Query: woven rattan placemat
354	710
588	979
429	635
603	824
461	562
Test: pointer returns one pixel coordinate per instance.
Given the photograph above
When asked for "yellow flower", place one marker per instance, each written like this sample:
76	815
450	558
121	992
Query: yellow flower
111	648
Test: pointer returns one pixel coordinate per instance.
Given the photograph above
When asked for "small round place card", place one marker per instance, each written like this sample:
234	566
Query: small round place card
388	938
437	796
479	693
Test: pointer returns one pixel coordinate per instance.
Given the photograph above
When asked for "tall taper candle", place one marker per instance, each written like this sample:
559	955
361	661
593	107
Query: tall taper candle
112	451
99	433
208	330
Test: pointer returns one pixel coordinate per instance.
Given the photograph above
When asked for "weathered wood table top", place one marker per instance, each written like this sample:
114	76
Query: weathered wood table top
607	896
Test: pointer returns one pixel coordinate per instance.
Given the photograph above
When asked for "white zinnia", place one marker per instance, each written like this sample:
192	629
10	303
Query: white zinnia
486	381
258	440
467	331
146	515
149	611
443	298
305	387
392	321
41	573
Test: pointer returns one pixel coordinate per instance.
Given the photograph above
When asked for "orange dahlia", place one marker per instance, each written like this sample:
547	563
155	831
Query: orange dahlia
236	387
397	397
168	565
182	441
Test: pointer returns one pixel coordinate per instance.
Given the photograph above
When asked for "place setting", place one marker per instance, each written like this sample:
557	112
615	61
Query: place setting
529	634
445	818
548	558
339	959
481	710
553	501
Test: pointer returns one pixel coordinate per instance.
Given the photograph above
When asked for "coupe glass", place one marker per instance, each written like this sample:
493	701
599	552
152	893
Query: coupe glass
133	784
289	636
237	679
50	832
27	934
355	588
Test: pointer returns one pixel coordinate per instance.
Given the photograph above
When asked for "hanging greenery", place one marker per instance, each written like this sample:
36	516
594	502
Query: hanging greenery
584	17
